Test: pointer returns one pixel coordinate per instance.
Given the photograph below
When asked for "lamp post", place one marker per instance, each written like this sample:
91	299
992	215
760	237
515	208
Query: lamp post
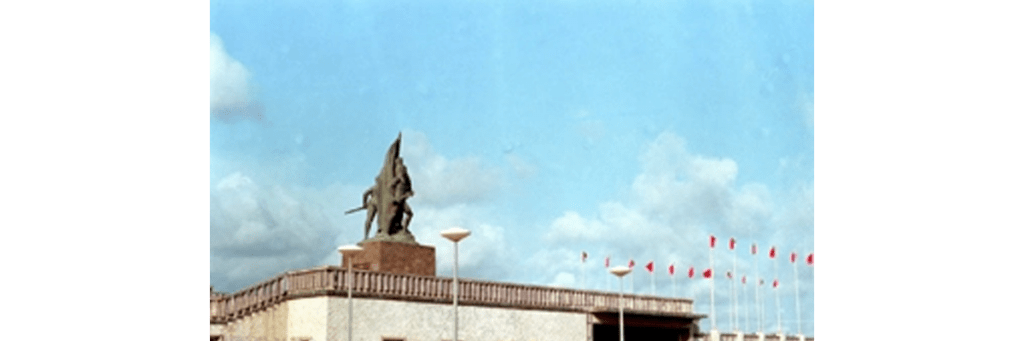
621	271
348	251
455	234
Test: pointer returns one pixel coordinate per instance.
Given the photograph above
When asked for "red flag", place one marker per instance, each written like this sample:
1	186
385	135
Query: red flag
631	263
691	272
744	280
707	273
584	257
728	274
650	267
771	253
607	261
792	257
810	259
775	284
732	243
753	248
712	241
671	269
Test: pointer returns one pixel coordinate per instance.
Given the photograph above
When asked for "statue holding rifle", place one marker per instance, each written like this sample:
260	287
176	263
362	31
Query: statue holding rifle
386	200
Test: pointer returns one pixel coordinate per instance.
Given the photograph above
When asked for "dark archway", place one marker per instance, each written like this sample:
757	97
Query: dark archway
643	327
604	332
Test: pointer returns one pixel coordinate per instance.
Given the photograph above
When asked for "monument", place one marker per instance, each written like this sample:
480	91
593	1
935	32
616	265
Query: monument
393	248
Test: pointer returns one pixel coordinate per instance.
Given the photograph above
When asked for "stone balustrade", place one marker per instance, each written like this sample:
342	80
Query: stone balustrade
331	280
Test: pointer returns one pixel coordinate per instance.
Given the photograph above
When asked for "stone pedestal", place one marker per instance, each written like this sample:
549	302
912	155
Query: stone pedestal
394	257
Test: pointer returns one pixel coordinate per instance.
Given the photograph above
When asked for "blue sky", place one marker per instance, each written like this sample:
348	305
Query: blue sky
625	129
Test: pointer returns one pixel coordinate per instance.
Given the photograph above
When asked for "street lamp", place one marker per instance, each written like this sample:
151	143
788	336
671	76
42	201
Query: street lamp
349	251
621	271
455	234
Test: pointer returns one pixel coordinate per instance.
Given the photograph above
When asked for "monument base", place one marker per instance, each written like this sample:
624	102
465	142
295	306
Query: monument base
404	237
394	257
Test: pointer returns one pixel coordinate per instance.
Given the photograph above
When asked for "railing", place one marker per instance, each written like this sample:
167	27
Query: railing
331	280
750	337
771	338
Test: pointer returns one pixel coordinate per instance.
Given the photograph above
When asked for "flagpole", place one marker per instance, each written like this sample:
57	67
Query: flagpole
761	305
735	317
746	307
810	263
673	275
583	273
632	277
757	285
654	288
778	306
608	279
711	259
796	286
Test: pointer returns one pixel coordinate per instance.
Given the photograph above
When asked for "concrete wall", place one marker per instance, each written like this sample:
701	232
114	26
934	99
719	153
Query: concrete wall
266	325
325	318
292	320
414	321
307	317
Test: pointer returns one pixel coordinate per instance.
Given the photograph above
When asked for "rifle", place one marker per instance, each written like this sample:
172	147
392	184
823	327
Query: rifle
357	209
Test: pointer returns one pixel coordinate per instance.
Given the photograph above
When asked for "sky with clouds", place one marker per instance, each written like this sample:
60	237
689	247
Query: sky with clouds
630	130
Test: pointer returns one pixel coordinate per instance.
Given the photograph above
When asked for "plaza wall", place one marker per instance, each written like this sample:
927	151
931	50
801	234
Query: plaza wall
326	318
416	321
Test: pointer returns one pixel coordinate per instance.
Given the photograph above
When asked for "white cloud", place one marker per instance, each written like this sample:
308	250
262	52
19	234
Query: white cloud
439	181
485	254
231	90
679	186
257	231
676	200
571	226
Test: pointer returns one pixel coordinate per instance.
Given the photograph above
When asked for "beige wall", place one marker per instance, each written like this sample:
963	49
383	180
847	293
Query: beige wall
326	319
287	321
415	321
308	318
269	324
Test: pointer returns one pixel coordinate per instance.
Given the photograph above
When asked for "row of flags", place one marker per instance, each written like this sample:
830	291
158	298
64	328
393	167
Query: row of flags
708	273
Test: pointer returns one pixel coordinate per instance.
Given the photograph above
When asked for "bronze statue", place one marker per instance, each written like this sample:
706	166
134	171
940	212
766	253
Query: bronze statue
386	200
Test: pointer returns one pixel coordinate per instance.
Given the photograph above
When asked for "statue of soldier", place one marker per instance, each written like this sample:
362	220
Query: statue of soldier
402	189
386	200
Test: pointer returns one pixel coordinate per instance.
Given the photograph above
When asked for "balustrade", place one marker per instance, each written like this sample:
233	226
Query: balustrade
331	279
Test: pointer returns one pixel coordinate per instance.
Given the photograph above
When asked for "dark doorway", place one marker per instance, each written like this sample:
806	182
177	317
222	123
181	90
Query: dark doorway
606	332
